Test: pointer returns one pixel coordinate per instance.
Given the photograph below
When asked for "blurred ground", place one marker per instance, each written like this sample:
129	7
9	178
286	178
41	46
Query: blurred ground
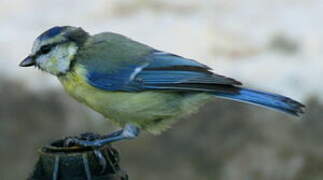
273	45
226	140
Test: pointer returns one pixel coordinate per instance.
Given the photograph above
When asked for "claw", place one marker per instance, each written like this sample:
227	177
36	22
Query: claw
102	160
69	141
85	143
95	141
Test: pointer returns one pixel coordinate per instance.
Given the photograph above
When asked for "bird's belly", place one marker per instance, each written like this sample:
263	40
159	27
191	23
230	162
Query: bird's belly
150	110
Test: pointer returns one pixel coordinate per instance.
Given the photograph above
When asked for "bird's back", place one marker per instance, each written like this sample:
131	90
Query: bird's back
105	51
153	111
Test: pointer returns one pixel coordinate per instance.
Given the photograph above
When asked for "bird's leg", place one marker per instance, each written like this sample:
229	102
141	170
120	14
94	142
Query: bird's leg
128	132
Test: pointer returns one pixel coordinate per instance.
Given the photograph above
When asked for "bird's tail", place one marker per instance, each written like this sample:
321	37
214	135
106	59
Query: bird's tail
274	101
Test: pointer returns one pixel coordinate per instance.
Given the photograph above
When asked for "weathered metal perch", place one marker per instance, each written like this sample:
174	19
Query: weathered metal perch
57	162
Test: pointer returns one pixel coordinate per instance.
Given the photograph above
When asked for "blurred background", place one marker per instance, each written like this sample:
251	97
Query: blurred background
273	45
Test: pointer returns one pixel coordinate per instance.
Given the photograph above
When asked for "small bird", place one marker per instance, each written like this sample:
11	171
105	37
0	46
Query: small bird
134	85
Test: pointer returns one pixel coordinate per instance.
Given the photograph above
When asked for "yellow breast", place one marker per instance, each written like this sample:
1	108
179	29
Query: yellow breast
153	111
75	84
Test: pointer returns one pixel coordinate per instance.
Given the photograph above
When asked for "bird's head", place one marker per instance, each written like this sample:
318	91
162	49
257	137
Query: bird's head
54	50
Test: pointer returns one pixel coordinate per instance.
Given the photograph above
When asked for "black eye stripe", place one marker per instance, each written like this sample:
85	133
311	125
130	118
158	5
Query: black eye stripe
46	48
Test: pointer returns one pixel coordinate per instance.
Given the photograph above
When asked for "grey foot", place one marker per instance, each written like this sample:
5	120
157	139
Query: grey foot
128	132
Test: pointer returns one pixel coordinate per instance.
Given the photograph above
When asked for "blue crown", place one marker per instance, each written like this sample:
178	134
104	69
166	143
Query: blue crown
52	32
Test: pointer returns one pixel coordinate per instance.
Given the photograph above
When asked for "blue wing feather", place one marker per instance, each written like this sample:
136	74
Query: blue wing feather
117	81
163	71
158	70
167	76
167	70
163	60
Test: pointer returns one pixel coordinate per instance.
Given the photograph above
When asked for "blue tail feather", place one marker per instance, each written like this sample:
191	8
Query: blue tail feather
274	101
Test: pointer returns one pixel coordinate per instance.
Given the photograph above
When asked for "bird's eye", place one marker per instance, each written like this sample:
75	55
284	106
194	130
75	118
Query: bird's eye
45	49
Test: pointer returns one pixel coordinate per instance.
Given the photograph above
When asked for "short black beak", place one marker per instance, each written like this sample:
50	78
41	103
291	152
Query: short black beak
28	61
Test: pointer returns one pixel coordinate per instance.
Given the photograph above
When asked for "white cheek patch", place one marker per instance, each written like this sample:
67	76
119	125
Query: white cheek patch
72	50
42	61
58	60
65	57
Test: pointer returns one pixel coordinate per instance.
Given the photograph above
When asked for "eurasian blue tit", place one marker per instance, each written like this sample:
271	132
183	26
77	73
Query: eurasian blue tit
134	85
